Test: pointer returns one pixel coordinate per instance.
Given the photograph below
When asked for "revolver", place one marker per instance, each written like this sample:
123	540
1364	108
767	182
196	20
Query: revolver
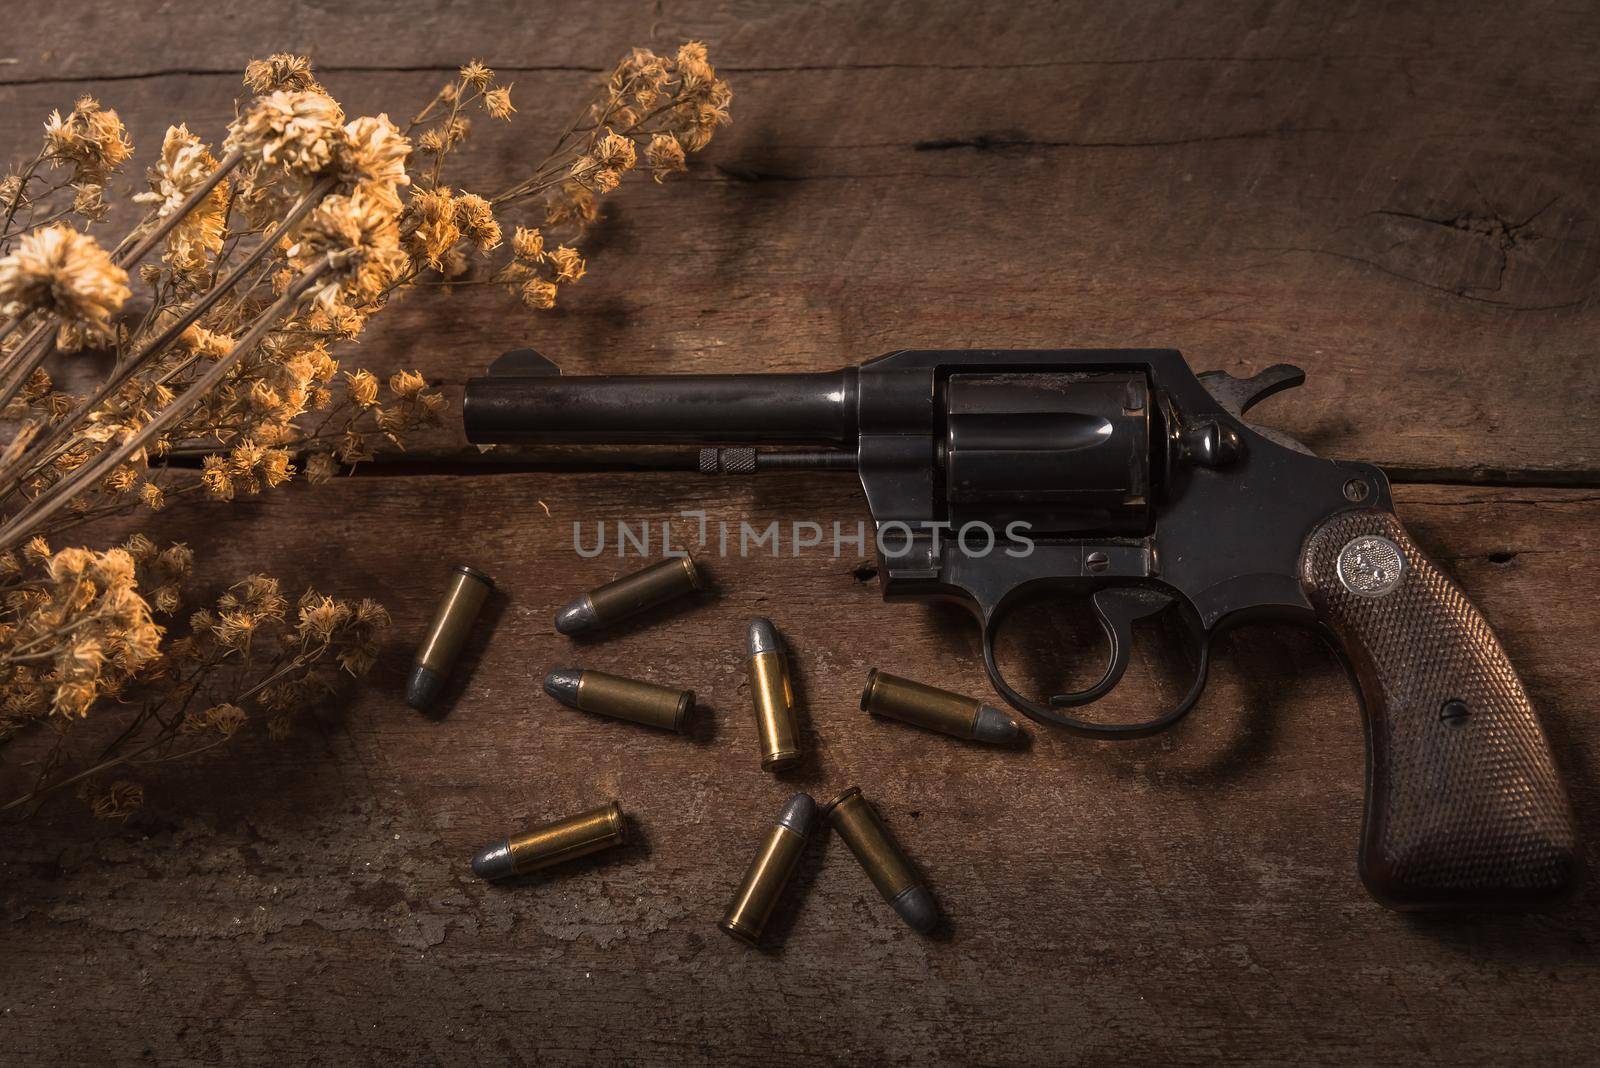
1122	477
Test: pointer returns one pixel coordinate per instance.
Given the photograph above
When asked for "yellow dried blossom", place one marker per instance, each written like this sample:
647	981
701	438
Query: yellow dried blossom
363	233
363	388
476	75
475	219
568	264
614	152
91	138
185	164
665	156
280	71
430	227
372	157
59	270
12	194
89	201
215	478
539	294
527	245
321	616
497	102
151	496
296	131
407	384
118	801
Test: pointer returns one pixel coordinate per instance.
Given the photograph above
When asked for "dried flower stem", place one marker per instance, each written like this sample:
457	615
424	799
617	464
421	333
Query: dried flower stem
28	519
201	192
41	454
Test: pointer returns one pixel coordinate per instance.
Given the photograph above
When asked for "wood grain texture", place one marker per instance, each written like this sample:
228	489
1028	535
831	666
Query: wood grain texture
1399	199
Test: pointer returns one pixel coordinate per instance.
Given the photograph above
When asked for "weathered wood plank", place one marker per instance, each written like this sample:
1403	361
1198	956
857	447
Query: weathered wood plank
1188	898
1399	200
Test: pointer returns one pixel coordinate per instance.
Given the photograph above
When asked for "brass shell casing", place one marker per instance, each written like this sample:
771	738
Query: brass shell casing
452	623
634	699
939	710
769	872
554	842
919	704
629	595
773	698
863	830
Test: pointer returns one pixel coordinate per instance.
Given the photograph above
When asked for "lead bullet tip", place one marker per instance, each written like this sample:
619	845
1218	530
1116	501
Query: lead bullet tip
799	815
493	862
577	618
562	684
995	727
916	907
423	688
761	637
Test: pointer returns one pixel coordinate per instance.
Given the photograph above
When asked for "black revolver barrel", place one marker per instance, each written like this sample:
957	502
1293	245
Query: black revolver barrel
742	409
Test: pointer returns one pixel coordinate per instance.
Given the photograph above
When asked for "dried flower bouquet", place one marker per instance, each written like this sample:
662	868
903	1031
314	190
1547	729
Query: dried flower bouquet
254	261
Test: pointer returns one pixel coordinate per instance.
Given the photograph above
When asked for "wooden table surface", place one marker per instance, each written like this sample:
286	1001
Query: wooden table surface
1399	198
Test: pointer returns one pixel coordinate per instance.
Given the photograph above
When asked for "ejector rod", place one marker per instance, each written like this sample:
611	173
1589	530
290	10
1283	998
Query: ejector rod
748	409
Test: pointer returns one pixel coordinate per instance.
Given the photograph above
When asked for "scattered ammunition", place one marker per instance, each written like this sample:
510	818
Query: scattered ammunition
773	698
863	831
629	595
769	873
553	843
469	588
936	709
620	698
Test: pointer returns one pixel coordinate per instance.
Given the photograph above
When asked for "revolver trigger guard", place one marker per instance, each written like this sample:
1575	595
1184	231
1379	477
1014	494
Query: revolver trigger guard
1117	609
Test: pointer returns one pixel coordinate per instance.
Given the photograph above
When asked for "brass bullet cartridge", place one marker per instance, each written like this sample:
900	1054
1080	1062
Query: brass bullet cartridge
629	595
936	709
620	698
552	843
773	697
769	872
859	824
452	622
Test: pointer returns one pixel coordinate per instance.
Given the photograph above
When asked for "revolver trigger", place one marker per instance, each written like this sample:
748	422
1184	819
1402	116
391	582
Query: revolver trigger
1118	608
1239	395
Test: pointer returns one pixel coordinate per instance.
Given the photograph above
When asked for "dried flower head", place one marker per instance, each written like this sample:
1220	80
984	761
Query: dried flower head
429	225
280	71
91	138
372	157
497	102
527	245
363	236
475	219
294	130
118	801
185	165
476	75
59	270
664	156
539	294
569	266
